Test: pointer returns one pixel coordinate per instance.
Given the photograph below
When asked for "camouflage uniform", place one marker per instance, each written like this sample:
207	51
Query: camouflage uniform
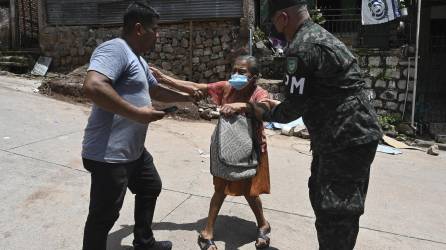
325	87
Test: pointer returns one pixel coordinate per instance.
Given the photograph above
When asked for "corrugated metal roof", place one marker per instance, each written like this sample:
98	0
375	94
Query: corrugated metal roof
83	12
196	9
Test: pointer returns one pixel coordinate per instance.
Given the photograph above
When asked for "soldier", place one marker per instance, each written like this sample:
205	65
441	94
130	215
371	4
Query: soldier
325	87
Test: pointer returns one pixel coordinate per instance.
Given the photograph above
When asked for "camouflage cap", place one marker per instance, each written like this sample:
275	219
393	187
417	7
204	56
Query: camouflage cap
276	5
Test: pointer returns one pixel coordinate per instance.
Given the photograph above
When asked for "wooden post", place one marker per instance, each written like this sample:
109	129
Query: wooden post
22	33
42	14
41	11
13	23
247	22
191	47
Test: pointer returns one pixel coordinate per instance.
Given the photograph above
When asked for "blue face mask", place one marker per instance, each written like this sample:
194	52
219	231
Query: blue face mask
238	81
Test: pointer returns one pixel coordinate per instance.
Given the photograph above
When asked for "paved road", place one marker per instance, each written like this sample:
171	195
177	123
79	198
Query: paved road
44	189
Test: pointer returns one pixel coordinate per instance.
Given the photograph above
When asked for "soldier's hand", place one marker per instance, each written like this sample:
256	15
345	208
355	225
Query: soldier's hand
271	103
147	115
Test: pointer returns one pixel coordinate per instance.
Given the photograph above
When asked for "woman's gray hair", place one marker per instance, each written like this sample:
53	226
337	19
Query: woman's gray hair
252	63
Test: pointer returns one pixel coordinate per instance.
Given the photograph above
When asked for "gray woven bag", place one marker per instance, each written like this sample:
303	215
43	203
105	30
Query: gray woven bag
234	149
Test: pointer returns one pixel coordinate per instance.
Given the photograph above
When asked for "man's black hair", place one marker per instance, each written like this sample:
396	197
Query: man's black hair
139	12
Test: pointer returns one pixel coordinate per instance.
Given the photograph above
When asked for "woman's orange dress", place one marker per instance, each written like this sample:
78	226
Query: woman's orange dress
222	93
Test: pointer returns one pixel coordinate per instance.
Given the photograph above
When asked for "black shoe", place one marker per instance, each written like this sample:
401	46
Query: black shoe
161	245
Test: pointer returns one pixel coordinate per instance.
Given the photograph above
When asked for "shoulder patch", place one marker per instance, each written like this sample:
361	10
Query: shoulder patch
291	63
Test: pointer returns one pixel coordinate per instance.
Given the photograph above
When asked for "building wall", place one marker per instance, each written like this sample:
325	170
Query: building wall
211	46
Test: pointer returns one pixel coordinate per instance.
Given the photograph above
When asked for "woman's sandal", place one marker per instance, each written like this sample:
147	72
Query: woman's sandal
263	234
205	244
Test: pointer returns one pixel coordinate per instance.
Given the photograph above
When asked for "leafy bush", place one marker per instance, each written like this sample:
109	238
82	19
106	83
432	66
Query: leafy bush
389	121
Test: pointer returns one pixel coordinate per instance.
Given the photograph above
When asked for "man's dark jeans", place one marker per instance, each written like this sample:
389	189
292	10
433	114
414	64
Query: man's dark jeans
109	183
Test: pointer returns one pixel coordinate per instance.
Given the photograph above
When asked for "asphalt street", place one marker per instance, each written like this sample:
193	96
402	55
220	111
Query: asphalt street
45	190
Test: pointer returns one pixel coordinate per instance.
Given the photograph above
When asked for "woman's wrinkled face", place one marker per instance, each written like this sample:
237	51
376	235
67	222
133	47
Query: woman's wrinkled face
241	67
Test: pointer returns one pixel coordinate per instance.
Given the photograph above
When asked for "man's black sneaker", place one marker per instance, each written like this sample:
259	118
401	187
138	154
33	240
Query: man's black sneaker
160	245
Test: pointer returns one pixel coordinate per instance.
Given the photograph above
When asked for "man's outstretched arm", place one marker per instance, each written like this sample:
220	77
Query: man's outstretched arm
272	111
98	88
197	90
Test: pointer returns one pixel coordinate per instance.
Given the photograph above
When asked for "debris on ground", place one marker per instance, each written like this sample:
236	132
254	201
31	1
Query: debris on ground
208	114
295	128
397	144
405	129
276	125
207	110
423	143
388	150
427	144
298	129
433	150
288	131
66	85
393	146
303	134
41	66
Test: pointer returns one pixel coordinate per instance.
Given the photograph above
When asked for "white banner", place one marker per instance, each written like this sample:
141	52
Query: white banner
379	11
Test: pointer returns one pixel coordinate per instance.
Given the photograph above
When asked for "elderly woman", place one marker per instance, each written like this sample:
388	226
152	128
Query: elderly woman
234	97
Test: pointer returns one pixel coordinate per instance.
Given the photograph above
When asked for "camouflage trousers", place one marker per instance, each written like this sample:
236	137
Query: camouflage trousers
338	188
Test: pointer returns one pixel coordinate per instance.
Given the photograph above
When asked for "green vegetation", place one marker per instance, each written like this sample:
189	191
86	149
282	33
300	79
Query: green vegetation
403	4
259	35
388	122
317	16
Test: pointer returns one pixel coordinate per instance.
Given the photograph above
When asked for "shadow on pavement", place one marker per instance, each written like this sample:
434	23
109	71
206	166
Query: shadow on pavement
114	239
235	232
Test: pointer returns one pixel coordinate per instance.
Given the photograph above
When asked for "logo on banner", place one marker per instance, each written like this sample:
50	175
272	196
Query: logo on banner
378	9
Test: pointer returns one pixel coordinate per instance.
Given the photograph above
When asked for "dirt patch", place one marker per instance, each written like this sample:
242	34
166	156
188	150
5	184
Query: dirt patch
69	85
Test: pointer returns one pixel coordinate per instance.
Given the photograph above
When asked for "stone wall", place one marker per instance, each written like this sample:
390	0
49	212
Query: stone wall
4	27
385	74
212	45
205	58
72	46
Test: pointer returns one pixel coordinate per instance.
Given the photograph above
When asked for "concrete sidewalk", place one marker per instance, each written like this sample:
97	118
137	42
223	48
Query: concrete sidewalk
45	190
